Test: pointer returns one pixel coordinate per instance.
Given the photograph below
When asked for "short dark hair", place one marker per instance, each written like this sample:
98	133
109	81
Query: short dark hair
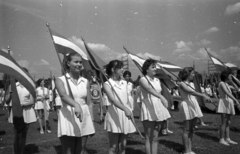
114	64
68	58
147	64
127	73
39	82
184	74
224	75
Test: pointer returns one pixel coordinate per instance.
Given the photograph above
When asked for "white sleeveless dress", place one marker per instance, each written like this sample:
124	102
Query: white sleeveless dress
29	115
39	104
115	119
152	107
68	123
189	107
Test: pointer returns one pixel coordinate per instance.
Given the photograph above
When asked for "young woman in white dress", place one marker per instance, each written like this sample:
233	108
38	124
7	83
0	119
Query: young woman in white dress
26	101
41	102
189	108
118	117
226	108
154	106
75	123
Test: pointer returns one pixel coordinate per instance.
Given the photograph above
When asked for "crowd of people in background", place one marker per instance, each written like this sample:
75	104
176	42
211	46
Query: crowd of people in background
76	92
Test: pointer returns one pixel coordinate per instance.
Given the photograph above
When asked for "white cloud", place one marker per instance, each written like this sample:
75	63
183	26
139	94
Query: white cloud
101	50
231	50
23	63
42	62
152	56
232	9
211	30
204	42
183	46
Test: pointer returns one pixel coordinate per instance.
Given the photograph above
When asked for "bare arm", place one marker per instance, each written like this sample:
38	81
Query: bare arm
30	102
116	102
145	85
227	92
67	99
185	88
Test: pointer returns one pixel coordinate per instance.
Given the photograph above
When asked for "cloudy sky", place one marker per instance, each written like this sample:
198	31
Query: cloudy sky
176	31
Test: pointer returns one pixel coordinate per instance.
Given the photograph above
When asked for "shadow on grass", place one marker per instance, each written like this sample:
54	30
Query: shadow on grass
235	129
31	149
207	136
58	150
2	132
133	151
55	120
172	145
132	142
207	128
178	123
2	115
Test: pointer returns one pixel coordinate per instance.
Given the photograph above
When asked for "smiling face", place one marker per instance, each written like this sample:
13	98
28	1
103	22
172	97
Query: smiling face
75	64
118	72
191	76
152	70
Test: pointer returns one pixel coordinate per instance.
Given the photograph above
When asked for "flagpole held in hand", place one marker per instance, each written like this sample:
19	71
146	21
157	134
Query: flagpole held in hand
149	82
101	71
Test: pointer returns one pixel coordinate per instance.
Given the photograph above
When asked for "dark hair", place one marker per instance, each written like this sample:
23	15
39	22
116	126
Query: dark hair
68	58
114	64
147	64
224	75
127	73
184	74
39	82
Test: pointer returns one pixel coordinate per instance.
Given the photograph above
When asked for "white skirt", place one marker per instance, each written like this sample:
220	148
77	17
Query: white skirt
29	115
117	122
70	125
226	105
189	109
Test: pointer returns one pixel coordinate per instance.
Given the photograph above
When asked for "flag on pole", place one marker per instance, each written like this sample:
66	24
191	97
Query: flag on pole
138	61
232	66
169	66
9	66
64	46
220	66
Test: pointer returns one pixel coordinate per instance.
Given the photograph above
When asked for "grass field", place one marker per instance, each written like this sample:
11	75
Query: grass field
205	138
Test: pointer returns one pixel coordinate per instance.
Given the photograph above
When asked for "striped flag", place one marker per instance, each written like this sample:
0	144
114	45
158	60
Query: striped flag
9	66
219	65
138	61
64	46
232	66
170	67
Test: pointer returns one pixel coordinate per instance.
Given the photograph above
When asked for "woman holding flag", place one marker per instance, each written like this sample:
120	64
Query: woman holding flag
75	123
42	106
154	106
189	108
226	107
118	117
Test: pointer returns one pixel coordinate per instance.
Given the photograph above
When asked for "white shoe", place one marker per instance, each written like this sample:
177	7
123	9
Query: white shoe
223	142
230	141
169	131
